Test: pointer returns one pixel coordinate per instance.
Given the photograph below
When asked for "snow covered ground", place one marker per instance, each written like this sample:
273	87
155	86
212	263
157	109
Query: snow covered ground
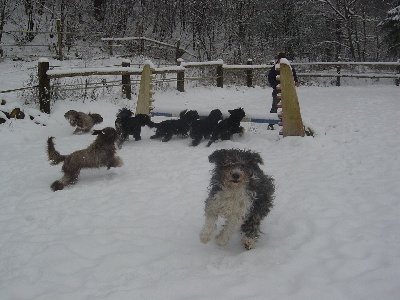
133	232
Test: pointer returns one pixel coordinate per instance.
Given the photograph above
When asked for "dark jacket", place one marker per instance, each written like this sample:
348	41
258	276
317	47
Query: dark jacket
272	77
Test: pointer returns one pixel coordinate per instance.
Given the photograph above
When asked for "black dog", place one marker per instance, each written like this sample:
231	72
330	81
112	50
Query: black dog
204	128
231	125
166	129
127	125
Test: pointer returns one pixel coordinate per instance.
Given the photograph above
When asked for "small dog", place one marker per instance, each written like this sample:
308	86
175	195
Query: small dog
127	125
204	128
239	192
231	125
101	153
83	122
166	129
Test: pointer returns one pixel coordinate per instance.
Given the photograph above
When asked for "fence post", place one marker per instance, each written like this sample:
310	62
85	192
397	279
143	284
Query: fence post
110	47
180	77
44	85
178	53
126	81
397	81
220	74
249	74
338	69
59	40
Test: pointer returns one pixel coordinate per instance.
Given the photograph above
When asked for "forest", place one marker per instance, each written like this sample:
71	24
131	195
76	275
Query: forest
233	30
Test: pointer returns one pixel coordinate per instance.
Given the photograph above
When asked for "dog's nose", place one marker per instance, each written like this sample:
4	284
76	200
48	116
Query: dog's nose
235	176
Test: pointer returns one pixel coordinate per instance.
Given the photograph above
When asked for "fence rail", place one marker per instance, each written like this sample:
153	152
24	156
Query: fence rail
125	71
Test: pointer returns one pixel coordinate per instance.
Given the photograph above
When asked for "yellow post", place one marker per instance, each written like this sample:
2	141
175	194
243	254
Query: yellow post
145	98
291	116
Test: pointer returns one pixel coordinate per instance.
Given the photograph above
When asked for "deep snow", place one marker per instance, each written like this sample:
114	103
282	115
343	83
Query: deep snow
133	232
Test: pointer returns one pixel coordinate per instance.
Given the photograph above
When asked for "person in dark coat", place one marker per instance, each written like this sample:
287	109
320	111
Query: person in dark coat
274	82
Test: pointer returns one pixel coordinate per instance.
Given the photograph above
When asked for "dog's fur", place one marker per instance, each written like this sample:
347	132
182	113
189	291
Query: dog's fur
204	128
127	124
229	126
166	129
101	153
239	192
83	122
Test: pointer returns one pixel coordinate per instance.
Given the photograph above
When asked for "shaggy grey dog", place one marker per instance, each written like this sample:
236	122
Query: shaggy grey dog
101	153
83	122
239	192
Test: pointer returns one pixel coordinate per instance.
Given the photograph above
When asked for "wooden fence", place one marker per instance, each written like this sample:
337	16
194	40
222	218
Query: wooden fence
125	71
63	41
179	52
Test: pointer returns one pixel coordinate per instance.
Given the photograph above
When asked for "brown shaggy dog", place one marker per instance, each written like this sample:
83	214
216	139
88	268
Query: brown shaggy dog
101	153
83	122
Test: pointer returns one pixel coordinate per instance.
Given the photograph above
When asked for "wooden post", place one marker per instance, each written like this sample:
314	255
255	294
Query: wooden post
180	77
338	69
220	75
145	97
141	46
126	81
59	40
249	74
110	47
44	85
291	117
177	51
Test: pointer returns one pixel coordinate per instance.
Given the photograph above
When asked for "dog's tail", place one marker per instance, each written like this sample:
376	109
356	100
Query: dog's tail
151	124
96	118
54	156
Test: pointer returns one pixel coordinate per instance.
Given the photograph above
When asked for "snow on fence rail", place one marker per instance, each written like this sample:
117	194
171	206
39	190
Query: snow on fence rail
45	75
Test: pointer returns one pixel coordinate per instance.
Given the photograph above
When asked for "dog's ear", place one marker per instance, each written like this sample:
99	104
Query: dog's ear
108	134
182	113
216	156
97	132
255	157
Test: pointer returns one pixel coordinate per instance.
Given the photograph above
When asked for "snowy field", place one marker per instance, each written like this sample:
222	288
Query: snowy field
133	232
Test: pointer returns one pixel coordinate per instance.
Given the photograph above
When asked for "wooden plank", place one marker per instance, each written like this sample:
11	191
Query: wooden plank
292	122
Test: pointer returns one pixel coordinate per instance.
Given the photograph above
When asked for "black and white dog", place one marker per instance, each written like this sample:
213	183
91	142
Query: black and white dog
203	128
229	126
240	193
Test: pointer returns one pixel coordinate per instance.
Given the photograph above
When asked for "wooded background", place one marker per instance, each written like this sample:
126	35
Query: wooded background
233	30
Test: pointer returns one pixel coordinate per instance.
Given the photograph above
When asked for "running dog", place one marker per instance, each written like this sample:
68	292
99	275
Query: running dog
83	122
229	126
101	153
239	192
166	129
127	125
204	128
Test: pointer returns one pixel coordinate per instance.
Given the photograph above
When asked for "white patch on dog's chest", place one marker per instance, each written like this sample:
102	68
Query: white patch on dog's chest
232	202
